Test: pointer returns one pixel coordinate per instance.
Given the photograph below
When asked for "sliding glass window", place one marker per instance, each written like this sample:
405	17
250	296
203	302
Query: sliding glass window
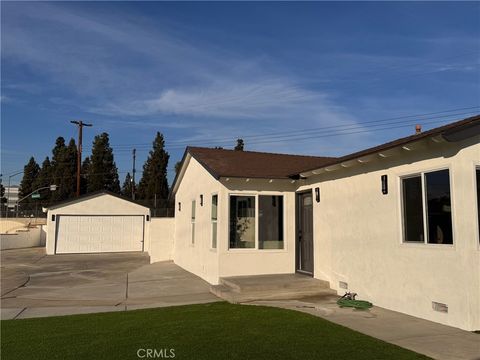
270	222
412	209
242	222
439	208
427	200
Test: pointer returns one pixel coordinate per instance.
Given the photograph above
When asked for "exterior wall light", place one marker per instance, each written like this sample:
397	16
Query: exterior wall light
384	184
317	194
201	200
179	206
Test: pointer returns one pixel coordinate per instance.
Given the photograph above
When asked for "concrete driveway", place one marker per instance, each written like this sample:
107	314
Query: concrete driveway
34	284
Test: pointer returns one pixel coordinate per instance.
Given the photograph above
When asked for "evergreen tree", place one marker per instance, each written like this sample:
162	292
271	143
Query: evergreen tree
3	200
102	172
64	170
43	179
240	145
127	186
154	177
30	173
178	166
84	175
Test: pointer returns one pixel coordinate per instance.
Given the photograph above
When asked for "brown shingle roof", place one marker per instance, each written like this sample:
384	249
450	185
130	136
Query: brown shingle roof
468	126
252	164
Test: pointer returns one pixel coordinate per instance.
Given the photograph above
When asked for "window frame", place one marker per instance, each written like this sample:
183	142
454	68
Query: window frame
193	215
256	196
213	221
476	167
422	174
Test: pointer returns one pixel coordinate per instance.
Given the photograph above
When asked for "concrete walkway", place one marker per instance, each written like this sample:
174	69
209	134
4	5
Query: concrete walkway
36	285
425	337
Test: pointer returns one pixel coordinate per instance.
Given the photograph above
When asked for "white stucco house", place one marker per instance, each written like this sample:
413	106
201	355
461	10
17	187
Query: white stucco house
397	223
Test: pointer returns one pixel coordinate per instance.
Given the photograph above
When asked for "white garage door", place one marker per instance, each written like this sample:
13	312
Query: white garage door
93	234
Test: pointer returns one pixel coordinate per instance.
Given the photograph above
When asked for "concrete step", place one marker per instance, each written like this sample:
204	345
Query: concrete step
273	282
270	287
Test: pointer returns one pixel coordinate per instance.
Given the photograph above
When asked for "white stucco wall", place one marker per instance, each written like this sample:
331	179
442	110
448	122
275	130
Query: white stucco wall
198	258
22	239
358	236
104	204
162	232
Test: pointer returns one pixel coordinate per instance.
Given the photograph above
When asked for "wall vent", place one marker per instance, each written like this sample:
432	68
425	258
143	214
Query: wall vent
439	307
343	285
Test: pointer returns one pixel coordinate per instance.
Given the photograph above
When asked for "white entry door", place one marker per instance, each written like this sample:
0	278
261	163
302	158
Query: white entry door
102	233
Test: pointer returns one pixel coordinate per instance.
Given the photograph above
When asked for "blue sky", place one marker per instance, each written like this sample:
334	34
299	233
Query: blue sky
207	73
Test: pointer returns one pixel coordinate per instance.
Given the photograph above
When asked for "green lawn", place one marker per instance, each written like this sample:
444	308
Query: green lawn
209	331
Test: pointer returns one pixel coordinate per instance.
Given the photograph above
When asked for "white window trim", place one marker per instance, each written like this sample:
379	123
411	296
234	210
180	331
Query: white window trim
424	205
214	249
256	249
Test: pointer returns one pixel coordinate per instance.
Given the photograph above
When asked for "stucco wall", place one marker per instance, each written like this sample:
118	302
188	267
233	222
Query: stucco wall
162	231
23	239
100	205
198	258
358	236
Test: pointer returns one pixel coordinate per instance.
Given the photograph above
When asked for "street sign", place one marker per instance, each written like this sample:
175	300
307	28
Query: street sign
36	196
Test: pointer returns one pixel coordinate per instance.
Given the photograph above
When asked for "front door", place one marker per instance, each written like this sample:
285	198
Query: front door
305	233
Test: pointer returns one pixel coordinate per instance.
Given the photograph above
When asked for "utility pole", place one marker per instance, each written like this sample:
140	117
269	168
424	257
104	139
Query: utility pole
80	125
133	174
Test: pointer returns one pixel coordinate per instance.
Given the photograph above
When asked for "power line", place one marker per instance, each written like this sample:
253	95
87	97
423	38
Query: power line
322	132
309	130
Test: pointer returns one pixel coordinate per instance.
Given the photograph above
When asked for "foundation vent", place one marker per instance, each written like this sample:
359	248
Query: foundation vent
343	285
439	307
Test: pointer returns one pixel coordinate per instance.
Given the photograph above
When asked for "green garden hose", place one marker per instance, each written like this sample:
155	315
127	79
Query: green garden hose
357	304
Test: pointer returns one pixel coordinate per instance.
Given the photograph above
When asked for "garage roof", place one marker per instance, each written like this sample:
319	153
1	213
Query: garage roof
91	196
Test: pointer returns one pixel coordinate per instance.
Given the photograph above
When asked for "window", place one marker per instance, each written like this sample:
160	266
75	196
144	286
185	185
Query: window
193	221
214	220
413	209
242	222
426	199
270	222
478	199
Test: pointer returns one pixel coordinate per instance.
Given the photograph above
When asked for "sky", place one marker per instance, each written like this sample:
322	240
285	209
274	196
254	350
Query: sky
316	78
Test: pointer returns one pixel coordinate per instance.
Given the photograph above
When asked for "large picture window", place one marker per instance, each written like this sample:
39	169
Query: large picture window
214	220
270	222
427	200
242	222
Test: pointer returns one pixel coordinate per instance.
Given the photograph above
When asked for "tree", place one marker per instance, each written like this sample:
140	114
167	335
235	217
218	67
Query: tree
154	177
240	145
127	186
64	169
84	175
43	179
178	166
3	199
102	173
30	173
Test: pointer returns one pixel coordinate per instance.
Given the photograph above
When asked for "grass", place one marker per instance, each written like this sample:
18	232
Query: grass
209	331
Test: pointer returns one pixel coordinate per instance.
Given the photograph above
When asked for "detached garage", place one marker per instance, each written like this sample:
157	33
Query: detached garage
96	223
